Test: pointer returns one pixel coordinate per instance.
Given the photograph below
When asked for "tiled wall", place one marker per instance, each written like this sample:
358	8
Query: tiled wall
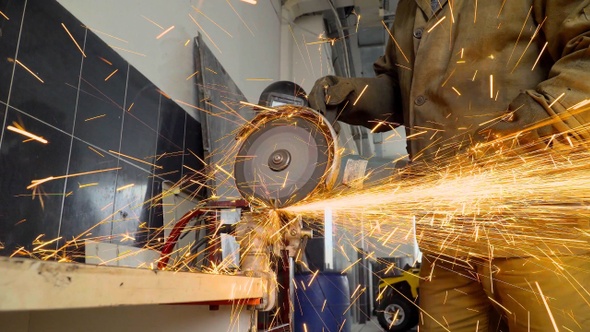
96	112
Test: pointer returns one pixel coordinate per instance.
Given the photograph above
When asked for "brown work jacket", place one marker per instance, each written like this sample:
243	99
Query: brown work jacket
453	71
460	67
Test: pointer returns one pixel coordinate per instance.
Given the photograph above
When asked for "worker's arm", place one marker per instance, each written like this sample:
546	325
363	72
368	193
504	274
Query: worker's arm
362	101
550	108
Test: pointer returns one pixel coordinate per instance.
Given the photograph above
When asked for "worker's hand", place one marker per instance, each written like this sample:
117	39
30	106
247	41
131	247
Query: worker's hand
330	93
369	102
525	124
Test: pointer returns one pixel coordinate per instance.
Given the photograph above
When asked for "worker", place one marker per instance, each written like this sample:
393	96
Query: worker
458	73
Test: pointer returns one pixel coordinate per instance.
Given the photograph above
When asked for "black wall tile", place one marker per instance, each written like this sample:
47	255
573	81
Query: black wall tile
132	204
102	95
20	163
155	130
193	156
9	29
141	120
47	50
89	207
170	140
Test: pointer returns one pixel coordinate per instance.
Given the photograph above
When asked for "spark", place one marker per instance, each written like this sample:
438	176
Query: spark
187	42
492	86
360	95
35	183
500	305
416	134
152	22
95	117
539	57
86	185
437	23
529	44
556	99
205	33
192	75
240	17
167	96
111	74
3	15
395	41
259	79
126	50
105	61
27	134
457	91
135	159
212	21
547	306
165	32
520	33
131	106
95	151
74	40
104	33
252	2
27	69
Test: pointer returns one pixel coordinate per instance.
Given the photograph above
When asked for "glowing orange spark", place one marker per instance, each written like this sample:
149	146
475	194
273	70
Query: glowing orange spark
26	68
395	41
252	2
80	186
259	79
240	17
212	21
35	183
556	99
95	151
27	134
126	50
360	95
539	57
192	75
204	32
135	159
437	23
547	306
3	15
95	117
165	32
104	33
126	186
74	40
152	22
111	75
105	61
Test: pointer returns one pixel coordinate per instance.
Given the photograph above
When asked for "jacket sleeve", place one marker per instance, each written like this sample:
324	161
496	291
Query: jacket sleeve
565	25
375	99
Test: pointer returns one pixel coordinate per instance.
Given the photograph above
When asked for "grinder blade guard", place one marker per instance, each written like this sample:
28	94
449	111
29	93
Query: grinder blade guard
286	154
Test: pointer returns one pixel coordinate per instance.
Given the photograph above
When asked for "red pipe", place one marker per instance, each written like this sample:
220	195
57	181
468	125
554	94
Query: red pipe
174	235
181	224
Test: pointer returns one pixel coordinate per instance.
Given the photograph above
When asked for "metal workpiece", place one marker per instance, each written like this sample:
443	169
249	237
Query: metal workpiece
286	154
256	235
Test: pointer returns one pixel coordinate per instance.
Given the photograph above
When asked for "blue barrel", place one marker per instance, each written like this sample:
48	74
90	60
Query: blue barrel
322	304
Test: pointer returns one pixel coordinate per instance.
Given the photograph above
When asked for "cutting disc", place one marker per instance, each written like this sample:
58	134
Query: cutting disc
285	155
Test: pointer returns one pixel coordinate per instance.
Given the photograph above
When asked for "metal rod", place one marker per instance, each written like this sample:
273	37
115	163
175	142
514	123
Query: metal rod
292	293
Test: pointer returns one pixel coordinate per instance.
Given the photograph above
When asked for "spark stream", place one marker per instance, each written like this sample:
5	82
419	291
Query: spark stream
513	203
